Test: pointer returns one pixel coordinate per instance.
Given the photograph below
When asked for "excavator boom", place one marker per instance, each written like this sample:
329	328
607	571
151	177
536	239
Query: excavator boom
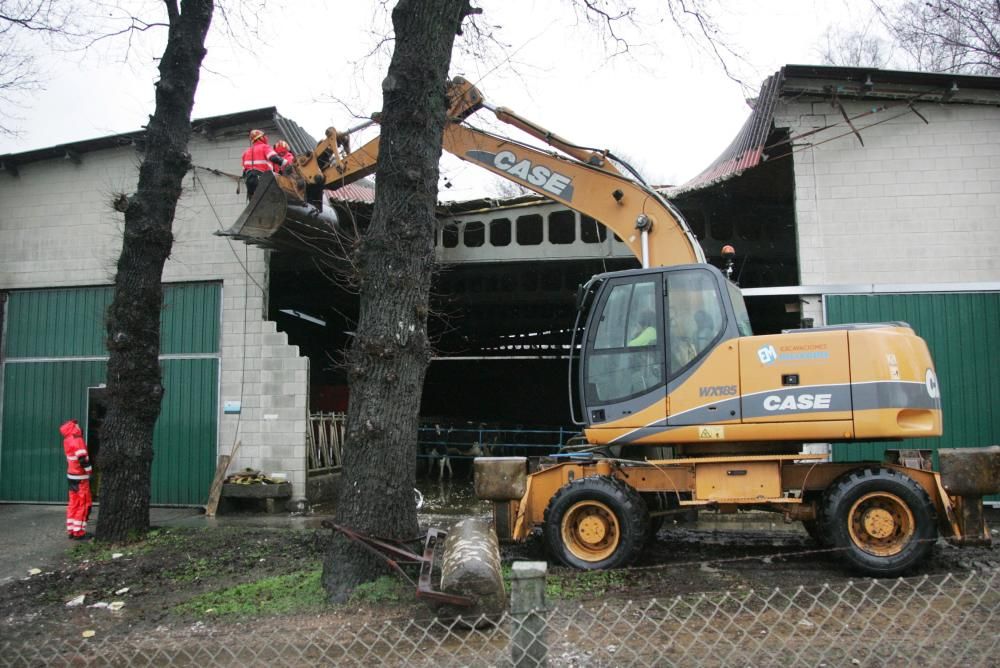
583	179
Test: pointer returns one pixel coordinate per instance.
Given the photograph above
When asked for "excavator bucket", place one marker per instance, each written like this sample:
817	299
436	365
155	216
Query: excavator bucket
277	218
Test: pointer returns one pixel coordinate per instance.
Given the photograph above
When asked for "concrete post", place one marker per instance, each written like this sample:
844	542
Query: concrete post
528	647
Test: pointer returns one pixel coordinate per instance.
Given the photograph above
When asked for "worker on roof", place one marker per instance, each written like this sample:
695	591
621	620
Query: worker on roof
78	468
258	158
286	155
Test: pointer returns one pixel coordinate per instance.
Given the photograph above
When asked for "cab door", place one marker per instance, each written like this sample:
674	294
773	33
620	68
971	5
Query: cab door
623	371
703	365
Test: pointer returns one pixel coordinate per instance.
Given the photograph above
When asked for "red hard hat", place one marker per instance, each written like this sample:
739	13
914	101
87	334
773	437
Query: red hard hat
256	135
281	146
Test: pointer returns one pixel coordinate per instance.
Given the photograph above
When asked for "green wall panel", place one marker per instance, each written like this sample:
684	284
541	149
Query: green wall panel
184	442
38	395
56	323
37	398
70	322
962	331
190	319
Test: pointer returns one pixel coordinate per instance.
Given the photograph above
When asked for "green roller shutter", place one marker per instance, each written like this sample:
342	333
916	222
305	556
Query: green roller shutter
962	331
54	351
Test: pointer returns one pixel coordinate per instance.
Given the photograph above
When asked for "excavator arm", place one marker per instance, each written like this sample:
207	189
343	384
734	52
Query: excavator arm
583	179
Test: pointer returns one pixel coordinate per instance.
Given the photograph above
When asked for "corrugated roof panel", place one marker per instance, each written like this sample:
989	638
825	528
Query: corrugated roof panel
298	139
353	193
746	150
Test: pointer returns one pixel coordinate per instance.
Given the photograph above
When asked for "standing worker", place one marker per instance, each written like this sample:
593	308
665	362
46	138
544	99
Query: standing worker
286	155
78	469
256	159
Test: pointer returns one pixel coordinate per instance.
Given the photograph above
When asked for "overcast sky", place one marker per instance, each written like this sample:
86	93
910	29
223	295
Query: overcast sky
667	106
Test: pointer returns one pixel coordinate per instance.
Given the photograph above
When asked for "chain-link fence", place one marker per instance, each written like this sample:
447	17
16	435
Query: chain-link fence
929	621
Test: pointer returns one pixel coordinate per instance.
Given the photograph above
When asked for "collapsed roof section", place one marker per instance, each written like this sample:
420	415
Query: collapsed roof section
749	148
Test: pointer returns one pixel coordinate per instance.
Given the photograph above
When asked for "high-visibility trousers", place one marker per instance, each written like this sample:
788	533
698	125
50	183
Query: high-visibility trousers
78	510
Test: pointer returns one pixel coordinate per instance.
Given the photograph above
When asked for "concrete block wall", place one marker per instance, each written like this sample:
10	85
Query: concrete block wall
57	229
918	203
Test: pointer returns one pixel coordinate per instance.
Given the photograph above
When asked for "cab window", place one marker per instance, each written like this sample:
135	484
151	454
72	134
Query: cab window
695	316
626	357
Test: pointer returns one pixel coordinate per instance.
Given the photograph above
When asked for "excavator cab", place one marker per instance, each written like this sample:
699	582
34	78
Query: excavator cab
646	332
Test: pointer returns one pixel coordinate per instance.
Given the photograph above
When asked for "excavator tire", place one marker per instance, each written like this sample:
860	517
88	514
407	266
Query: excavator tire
596	523
881	519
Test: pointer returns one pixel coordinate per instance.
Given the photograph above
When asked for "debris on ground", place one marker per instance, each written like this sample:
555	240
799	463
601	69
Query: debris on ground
251	477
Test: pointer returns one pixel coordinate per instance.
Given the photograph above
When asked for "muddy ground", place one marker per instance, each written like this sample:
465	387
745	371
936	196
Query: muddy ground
152	578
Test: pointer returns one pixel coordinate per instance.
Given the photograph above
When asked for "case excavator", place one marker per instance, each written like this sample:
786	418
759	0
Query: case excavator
681	405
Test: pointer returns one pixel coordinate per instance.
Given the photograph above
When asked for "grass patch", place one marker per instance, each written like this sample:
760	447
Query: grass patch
386	589
583	584
191	569
284	594
575	584
153	540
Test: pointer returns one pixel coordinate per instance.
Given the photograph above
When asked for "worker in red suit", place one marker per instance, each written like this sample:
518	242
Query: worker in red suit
78	469
286	155
258	158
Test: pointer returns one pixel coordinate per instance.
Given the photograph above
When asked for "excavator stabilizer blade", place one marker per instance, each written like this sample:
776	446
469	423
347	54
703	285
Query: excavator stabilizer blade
276	217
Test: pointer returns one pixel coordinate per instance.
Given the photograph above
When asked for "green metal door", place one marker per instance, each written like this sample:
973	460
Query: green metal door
962	331
54	352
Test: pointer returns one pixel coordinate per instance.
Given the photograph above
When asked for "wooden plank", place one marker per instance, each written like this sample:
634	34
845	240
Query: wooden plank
215	491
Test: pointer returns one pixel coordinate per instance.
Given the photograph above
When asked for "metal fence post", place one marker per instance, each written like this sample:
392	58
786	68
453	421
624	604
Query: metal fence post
528	647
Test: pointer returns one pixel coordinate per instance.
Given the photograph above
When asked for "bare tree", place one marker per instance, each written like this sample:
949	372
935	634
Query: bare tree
946	35
388	358
854	48
20	22
133	319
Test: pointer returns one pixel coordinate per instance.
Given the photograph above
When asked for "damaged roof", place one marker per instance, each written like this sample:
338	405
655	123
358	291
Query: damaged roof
226	125
360	192
826	82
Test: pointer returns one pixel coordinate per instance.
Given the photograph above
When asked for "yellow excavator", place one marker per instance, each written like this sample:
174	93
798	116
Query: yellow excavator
681	405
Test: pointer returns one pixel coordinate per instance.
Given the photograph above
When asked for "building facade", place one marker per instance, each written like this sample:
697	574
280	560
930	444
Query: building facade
229	375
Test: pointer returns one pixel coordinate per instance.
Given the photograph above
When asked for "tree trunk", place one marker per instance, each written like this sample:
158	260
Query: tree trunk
388	358
134	388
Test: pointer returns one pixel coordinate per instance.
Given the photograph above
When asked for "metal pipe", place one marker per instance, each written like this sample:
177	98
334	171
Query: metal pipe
359	127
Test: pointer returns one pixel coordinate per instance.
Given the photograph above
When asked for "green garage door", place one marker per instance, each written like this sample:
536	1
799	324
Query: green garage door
54	365
962	331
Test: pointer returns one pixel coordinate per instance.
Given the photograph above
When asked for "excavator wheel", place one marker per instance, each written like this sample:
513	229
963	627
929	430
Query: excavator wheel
596	523
881	519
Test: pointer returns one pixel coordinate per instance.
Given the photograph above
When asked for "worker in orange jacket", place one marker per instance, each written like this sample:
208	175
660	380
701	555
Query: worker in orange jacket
286	155
78	468
258	158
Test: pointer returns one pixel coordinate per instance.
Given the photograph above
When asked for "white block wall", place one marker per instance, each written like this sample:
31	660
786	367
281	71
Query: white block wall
918	203
57	229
